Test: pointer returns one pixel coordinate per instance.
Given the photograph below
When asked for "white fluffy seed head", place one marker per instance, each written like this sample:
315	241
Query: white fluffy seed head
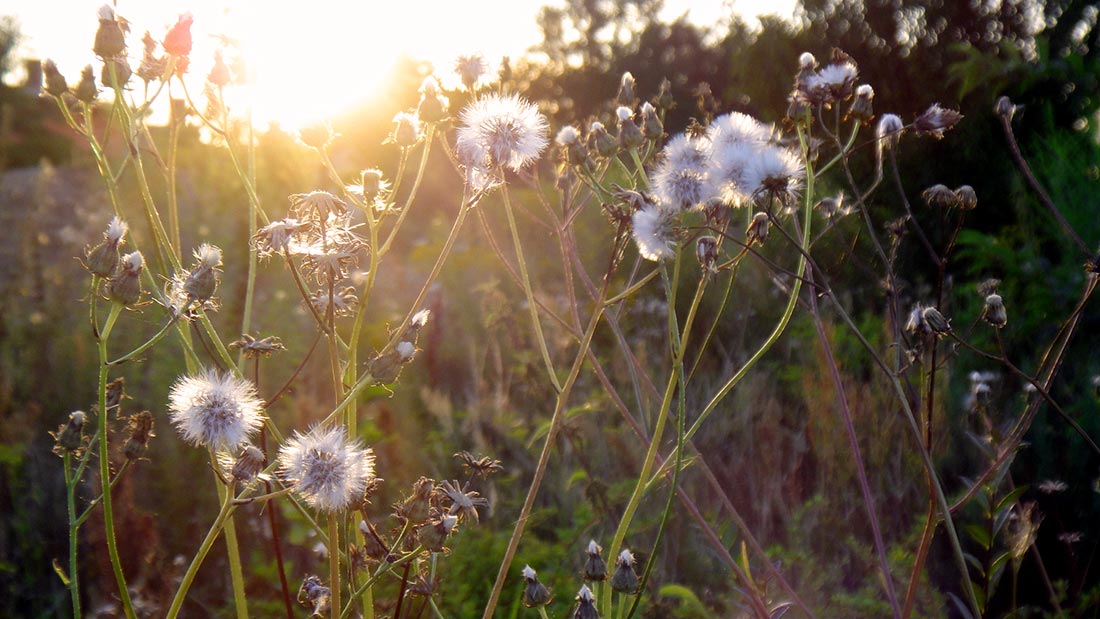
585	595
593	547
326	470
626	558
208	256
215	410
115	230
654	233
624	113
529	573
567	136
133	261
503	131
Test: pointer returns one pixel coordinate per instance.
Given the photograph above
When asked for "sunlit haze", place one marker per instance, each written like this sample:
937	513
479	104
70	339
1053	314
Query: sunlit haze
310	60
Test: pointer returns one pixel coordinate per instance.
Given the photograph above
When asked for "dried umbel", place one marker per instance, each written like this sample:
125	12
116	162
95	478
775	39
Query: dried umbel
534	592
276	237
625	579
464	502
595	568
139	428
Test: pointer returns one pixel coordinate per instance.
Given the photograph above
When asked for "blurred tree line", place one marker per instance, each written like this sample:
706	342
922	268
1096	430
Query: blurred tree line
1044	55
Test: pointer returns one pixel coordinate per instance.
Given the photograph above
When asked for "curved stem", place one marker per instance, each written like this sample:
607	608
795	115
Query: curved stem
200	555
70	506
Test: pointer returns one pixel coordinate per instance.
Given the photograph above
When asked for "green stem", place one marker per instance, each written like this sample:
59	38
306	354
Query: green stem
236	574
148	344
334	565
531	305
196	561
105	467
544	457
70	504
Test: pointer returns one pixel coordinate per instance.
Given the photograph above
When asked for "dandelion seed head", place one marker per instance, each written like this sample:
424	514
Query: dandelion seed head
326	470
685	151
834	77
567	136
503	131
737	127
654	233
681	188
215	410
729	170
775	170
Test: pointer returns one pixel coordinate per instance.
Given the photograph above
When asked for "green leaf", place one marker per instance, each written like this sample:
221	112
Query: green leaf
980	535
687	597
1010	499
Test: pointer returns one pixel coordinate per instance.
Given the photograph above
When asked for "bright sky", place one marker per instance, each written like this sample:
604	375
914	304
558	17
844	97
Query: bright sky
311	59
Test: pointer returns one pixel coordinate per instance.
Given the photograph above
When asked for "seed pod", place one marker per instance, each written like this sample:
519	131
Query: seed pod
994	311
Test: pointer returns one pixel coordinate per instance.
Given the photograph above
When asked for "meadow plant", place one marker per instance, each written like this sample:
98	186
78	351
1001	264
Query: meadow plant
683	218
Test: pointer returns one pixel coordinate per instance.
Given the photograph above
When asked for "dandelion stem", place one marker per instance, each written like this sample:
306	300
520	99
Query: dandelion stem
236	574
148	343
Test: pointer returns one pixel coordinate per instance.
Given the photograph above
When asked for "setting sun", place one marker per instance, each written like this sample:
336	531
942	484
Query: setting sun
309	61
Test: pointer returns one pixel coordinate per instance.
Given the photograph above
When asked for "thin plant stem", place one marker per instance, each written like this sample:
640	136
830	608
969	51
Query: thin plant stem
335	585
544	458
70	506
540	338
236	573
105	467
200	555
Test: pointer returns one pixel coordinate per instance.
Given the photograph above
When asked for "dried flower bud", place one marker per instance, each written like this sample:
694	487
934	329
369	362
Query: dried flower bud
433	105
625	579
435	533
373	546
626	90
630	136
103	259
85	91
417	506
863	105
313	594
994	311
406	130
1005	108
140	429
665	100
831	206
569	139
318	136
652	127
55	82
595	568
248	465
935	120
70	435
967	197
202	281
125	286
219	74
122	72
178	40
936	321
535	593
586	605
253	348
916	326
888	131
939	195
601	141
109	39
757	231
706	251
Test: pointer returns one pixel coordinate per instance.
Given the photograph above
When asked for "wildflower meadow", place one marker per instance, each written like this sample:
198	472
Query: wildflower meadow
678	353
